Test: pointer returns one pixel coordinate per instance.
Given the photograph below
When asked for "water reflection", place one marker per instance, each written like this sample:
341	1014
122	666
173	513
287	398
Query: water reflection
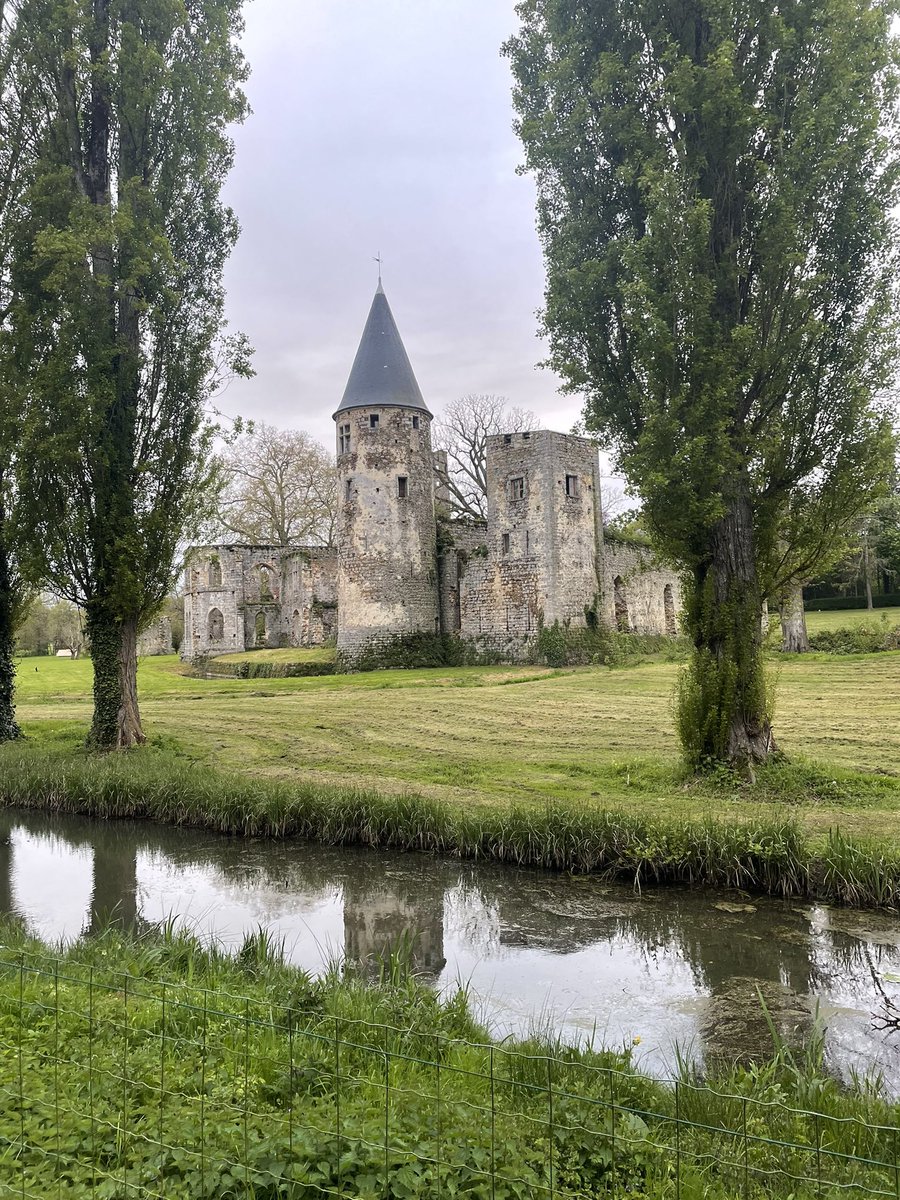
592	959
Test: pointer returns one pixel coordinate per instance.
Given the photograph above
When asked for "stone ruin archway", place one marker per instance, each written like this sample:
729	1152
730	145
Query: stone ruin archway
669	606
216	625
620	599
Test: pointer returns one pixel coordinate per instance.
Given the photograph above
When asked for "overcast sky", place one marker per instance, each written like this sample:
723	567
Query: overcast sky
384	125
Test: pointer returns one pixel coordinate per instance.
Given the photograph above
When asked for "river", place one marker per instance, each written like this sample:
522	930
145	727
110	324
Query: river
659	969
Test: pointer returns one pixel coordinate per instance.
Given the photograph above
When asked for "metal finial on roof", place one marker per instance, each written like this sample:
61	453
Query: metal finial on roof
380	262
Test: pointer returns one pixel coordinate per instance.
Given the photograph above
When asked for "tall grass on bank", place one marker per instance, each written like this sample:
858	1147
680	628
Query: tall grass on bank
155	1067
769	855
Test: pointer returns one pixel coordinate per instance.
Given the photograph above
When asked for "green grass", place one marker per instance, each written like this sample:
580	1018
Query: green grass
571	768
515	736
817	622
289	654
159	1068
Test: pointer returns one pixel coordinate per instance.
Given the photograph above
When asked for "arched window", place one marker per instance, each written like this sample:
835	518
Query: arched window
215	573
620	597
216	625
261	638
669	605
296	628
265	583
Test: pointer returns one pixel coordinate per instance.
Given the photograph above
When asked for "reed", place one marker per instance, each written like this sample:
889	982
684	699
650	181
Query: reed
766	854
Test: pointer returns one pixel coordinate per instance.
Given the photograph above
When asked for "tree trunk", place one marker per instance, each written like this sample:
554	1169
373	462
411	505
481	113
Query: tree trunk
867	572
723	711
794	638
117	718
9	729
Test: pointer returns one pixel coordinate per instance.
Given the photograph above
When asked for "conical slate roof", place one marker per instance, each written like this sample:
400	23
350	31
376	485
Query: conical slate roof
382	373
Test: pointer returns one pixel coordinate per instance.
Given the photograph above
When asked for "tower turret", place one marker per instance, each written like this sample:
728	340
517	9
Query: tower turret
387	580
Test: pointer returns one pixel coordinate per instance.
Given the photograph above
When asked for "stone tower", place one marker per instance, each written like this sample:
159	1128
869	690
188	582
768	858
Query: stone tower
387	579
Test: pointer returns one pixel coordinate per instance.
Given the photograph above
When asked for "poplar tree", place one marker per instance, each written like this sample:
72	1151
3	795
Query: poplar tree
20	119
715	182
118	313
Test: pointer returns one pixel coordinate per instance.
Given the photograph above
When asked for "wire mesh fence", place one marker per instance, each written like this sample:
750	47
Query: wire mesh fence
116	1086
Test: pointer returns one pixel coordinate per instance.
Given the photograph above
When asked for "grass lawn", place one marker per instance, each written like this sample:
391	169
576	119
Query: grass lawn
502	736
290	654
816	622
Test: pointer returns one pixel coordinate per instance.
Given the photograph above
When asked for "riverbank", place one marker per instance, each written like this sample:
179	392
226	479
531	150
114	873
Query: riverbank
764	851
569	769
169	1069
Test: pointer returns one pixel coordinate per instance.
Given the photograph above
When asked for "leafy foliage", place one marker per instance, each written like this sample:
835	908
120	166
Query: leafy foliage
117	313
167	1068
716	187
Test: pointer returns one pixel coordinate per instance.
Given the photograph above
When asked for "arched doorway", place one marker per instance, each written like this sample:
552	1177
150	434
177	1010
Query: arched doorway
620	598
216	625
296	628
669	605
261	637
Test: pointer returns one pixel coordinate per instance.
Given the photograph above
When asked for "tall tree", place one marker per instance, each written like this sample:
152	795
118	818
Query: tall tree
278	487
118	305
20	121
461	432
716	182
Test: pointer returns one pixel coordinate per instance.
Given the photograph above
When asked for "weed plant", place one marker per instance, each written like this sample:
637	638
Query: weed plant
157	1067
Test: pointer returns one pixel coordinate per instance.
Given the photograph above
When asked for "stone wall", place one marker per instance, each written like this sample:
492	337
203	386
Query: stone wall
461	543
247	597
639	594
387	536
541	563
156	639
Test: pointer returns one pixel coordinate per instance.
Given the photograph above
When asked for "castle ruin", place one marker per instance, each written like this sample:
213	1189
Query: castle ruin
402	566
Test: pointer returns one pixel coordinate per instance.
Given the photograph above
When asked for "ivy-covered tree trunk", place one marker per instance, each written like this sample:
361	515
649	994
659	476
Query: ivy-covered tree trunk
723	709
9	729
794	638
117	719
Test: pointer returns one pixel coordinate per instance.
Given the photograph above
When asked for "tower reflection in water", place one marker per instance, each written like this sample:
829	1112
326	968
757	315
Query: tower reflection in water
667	964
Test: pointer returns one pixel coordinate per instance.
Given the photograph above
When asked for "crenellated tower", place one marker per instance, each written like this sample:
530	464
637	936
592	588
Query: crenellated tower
387	579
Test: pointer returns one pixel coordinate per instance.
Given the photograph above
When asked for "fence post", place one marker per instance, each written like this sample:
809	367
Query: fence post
337	1096
56	1073
22	1155
162	1078
387	1114
91	1080
291	1017
493	1130
550	1111
439	1115
203	1096
125	1086
746	1164
612	1115
677	1140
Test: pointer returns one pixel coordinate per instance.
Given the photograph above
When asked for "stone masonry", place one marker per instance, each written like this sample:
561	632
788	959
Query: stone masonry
541	557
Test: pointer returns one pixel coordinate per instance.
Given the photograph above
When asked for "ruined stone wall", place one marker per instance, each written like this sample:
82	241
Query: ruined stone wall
213	587
639	594
461	543
541	563
387	570
156	639
309	596
248	597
